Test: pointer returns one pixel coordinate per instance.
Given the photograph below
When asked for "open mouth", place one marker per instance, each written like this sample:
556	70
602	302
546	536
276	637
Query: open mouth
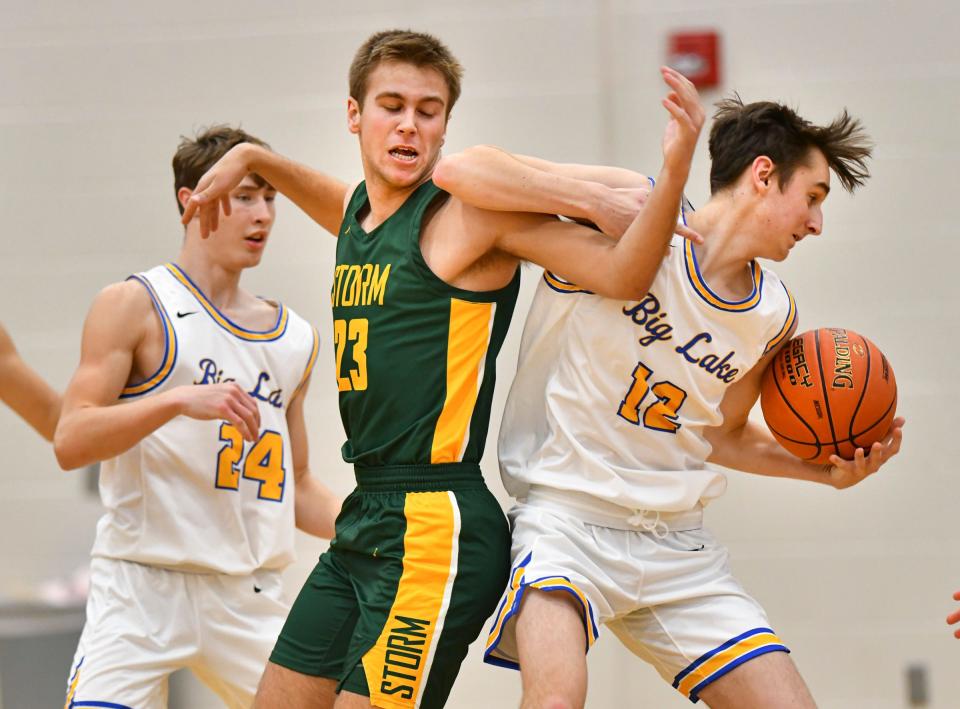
404	153
255	238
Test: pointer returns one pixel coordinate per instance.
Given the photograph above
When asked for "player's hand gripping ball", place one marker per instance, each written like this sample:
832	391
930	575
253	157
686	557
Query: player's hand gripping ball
828	391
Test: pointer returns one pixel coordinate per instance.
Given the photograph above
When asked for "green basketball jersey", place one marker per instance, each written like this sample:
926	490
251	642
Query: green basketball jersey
415	357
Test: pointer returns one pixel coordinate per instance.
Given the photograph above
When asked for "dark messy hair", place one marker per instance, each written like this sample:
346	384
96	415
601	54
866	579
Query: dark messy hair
742	132
195	156
417	48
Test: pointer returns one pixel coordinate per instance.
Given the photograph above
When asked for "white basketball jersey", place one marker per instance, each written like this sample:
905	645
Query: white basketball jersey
611	398
193	495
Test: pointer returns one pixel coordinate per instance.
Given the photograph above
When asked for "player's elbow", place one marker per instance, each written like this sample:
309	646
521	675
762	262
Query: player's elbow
67	449
453	171
448	172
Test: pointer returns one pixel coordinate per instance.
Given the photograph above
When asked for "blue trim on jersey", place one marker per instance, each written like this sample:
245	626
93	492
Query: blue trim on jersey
268	335
108	705
563	286
788	323
170	348
703	290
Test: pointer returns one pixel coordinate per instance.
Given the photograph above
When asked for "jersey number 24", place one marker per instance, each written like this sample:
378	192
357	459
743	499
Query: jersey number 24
263	463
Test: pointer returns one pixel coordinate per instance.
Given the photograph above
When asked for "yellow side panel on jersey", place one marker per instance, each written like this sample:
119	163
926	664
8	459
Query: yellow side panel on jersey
398	665
467	345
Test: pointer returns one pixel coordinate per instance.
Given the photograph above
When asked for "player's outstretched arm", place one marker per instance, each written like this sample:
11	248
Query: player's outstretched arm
954	617
25	391
490	178
93	425
321	196
624	268
748	446
315	505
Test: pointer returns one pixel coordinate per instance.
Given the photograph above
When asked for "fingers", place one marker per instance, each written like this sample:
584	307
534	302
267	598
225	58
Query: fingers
685	93
688	233
193	204
956	597
246	413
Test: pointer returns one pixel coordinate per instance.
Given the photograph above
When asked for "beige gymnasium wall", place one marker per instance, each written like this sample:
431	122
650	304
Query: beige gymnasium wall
96	94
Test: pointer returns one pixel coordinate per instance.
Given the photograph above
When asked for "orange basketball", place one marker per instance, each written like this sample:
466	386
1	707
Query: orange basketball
828	391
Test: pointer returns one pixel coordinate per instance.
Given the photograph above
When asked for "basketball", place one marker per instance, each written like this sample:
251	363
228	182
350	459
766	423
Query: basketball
828	391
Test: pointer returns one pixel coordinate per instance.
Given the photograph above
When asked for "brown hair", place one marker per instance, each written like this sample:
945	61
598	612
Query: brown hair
417	48
195	156
741	133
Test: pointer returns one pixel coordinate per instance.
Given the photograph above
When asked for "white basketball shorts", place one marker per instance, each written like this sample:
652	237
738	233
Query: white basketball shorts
667	594
143	623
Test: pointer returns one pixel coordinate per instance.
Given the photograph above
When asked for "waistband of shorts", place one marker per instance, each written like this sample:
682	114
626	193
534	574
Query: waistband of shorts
418	478
600	513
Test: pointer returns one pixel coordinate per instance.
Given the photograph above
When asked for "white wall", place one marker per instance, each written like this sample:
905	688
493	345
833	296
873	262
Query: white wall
96	94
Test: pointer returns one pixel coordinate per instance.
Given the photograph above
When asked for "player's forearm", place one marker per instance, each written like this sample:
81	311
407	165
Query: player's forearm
318	194
489	178
634	261
316	507
35	401
88	434
609	176
751	449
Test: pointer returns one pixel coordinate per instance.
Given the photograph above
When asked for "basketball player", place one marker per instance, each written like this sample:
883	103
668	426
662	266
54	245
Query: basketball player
190	390
423	292
955	616
617	406
25	391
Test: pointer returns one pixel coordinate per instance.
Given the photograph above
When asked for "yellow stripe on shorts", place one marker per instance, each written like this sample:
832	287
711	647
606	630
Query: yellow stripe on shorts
397	667
725	658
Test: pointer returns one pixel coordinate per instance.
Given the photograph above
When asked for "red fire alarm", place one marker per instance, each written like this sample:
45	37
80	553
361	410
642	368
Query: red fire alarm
695	55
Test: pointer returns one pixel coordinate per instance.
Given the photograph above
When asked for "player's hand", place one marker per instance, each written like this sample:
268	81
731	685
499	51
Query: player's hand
846	473
686	119
212	192
954	617
228	402
620	208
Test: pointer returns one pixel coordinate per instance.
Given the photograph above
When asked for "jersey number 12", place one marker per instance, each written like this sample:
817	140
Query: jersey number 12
661	414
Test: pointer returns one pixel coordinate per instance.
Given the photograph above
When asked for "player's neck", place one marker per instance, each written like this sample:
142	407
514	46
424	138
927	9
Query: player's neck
220	285
724	258
385	199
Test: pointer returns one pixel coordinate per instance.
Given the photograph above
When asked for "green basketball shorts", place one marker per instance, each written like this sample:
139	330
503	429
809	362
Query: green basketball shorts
419	560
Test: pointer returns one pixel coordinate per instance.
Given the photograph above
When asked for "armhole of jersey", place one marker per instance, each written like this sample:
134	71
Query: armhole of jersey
788	322
169	347
350	207
561	286
308	370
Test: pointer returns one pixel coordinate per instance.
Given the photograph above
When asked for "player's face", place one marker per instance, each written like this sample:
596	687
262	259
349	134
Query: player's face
402	124
795	210
240	238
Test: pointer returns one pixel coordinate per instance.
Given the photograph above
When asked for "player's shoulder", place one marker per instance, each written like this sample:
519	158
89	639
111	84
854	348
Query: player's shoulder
130	296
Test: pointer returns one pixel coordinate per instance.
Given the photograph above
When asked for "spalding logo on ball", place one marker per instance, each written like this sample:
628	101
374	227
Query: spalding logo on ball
828	391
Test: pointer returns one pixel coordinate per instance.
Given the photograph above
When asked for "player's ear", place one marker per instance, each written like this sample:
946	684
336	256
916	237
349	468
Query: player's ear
761	172
184	194
353	115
